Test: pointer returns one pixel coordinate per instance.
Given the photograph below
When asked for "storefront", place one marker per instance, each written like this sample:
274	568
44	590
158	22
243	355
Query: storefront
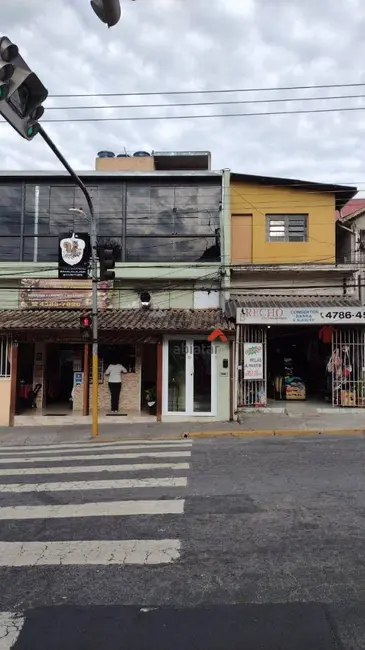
176	369
311	352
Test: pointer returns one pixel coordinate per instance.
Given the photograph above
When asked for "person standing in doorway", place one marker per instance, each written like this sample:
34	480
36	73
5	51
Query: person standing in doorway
114	372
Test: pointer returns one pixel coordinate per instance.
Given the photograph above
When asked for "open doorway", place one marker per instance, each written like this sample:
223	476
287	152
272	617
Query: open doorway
149	379
26	392
61	363
297	361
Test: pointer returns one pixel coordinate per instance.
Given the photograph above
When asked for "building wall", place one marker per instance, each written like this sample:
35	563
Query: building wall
223	381
287	284
5	387
127	164
257	200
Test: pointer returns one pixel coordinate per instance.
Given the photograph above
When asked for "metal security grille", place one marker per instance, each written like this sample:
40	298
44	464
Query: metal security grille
5	343
347	366
251	392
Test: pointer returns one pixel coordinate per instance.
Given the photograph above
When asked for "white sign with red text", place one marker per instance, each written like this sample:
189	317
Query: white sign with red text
253	364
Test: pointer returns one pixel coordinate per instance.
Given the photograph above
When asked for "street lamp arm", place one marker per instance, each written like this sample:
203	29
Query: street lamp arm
68	167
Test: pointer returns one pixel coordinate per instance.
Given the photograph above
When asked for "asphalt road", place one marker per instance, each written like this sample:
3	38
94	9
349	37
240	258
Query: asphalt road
221	544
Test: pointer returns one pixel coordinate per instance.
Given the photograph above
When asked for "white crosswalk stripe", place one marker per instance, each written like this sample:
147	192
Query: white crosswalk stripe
94	485
102	509
10	628
121	446
85	469
97	445
152	489
127	454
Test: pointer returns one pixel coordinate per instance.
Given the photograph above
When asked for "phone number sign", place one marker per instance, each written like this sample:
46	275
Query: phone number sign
300	315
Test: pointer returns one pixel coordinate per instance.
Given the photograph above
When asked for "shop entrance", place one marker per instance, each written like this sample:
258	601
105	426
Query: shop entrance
301	363
297	359
26	391
62	360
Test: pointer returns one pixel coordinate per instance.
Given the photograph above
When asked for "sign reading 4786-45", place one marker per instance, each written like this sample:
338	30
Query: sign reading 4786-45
300	315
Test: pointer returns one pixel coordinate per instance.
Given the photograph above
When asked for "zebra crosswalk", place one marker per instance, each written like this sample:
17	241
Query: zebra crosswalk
111	485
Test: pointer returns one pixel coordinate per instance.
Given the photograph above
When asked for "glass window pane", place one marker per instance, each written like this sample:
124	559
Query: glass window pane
177	376
10	220
172	249
202	376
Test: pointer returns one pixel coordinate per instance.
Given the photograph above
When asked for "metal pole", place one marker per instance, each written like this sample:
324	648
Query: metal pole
94	274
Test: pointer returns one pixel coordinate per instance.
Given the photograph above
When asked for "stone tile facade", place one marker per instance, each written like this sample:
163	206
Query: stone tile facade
130	397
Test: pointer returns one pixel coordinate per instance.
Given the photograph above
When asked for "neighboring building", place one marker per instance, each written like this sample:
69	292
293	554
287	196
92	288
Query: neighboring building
350	238
298	314
170	233
143	161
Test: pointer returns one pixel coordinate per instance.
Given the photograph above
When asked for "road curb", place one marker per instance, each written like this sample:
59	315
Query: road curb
246	433
255	433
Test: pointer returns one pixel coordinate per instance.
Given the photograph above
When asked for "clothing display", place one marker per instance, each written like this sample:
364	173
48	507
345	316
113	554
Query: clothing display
294	387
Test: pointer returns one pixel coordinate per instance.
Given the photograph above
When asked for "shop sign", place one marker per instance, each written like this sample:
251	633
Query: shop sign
300	315
74	256
253	365
63	294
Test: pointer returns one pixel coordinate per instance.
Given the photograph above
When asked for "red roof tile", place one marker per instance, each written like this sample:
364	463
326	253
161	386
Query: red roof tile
173	320
352	207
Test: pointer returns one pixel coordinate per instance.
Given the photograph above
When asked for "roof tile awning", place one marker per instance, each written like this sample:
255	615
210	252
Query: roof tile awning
277	301
125	320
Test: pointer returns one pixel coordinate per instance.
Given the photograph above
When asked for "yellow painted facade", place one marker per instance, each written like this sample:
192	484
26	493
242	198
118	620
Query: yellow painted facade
259	200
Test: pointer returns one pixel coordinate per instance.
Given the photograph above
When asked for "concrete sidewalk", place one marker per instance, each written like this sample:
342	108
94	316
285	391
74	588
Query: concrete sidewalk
252	424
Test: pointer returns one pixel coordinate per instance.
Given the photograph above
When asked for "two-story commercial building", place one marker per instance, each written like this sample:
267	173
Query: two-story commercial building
167	226
298	312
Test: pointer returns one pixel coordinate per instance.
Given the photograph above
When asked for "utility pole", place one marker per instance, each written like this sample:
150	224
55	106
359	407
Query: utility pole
94	276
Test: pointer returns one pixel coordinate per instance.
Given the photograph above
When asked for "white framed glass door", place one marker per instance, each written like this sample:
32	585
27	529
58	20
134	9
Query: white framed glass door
189	376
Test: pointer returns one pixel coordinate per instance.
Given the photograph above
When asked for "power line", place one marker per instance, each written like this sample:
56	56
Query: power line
211	92
215	103
198	117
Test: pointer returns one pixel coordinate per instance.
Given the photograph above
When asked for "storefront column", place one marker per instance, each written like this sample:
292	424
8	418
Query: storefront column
159	381
85	385
39	373
13	380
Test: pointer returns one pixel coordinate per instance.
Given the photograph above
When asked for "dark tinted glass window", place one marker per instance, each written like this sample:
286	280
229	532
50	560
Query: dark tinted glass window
10	222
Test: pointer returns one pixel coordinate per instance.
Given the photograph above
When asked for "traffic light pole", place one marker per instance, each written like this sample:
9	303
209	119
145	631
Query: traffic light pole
94	275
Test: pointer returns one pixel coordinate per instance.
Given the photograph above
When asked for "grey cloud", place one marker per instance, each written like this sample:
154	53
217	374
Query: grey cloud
163	45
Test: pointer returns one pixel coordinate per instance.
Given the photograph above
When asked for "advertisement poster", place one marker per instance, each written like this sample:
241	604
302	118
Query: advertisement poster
63	294
253	361
74	256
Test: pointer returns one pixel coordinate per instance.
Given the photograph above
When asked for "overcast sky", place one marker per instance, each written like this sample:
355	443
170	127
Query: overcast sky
170	45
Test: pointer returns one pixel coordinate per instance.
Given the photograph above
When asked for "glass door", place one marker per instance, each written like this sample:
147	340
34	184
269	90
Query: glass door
176	376
202	376
189	377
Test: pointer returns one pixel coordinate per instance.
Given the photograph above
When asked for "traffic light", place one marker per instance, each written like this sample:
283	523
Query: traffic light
21	91
107	263
108	11
85	323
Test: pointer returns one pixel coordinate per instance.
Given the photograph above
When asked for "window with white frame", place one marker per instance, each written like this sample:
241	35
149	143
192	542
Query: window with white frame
5	347
287	227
